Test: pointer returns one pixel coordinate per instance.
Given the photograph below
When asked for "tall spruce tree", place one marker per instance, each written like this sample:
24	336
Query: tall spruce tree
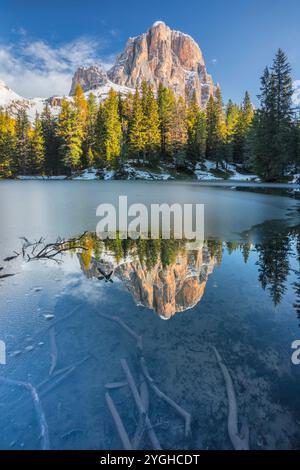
167	110
53	164
137	138
179	134
272	133
69	131
243	130
109	131
233	116
196	128
151	124
21	161
7	144
89	143
216	129
37	148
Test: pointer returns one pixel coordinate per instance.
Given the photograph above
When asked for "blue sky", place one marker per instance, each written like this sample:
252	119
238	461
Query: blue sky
42	42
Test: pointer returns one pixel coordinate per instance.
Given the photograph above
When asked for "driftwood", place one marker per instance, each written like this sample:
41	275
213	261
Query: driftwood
142	398
240	441
145	399
114	385
53	347
125	327
187	416
118	422
50	251
38	408
144	393
144	419
63	375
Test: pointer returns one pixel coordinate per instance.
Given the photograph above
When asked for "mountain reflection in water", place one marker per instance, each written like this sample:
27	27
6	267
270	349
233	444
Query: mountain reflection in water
170	276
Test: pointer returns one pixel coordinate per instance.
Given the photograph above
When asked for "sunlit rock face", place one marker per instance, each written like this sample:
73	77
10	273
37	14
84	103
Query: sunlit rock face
176	287
167	56
89	78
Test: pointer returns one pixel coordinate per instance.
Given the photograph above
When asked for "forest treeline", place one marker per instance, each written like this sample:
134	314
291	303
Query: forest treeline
152	129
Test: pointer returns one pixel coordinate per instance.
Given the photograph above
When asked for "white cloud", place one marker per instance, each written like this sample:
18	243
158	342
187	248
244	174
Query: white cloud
35	68
296	95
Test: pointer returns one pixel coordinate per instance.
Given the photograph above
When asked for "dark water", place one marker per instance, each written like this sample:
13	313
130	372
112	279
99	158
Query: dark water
238	292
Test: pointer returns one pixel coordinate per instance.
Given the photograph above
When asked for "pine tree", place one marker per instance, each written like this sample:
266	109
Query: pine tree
109	131
69	131
220	128
196	126
7	144
137	139
273	129
37	148
53	164
21	161
243	130
233	116
151	124
100	155
89	143
179	134
81	104
216	129
167	109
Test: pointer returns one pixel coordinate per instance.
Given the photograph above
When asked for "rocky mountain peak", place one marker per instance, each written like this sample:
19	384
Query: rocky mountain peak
164	55
89	78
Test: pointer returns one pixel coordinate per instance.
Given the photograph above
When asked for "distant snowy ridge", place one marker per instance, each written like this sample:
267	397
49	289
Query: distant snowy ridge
12	101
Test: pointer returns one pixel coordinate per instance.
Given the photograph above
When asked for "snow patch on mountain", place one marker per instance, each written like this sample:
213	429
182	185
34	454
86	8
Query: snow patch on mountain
158	23
13	102
7	96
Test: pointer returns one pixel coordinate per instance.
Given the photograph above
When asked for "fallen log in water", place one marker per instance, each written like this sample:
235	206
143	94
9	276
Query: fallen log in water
240	441
126	328
118	422
114	385
144	419
53	347
38	409
144	394
187	416
63	375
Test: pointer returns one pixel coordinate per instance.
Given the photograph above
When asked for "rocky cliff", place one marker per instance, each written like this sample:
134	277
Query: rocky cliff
159	55
89	78
164	55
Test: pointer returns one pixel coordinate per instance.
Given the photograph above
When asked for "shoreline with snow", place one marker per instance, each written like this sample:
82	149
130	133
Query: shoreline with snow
204	173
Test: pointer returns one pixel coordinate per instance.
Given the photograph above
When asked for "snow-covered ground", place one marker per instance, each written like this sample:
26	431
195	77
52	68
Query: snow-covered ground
136	174
296	178
89	174
207	175
236	175
130	172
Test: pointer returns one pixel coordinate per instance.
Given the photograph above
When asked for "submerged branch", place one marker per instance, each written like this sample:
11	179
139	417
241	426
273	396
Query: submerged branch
240	441
187	416
38	408
118	422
